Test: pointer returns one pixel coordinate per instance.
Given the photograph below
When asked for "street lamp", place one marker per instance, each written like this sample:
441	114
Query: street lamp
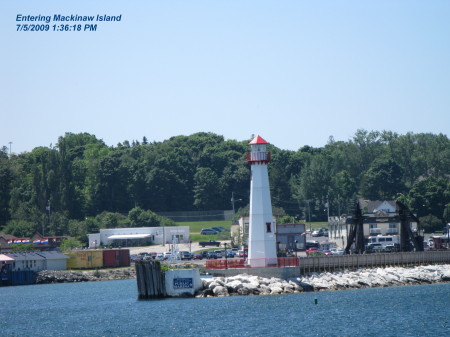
296	248
309	215
226	259
233	200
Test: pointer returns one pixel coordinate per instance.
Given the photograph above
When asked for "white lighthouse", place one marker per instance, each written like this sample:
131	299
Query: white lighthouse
261	241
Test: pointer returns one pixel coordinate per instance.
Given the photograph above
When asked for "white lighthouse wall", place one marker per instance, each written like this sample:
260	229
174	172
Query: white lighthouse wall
262	245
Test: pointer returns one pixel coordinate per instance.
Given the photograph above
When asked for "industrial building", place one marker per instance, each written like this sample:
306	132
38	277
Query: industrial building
139	236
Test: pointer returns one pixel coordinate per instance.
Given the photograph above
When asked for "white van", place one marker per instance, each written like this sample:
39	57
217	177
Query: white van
384	242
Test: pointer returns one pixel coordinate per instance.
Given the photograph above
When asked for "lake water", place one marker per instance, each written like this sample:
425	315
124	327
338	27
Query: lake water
111	308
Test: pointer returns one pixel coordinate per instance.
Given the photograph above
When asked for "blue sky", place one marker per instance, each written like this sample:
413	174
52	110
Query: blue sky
295	72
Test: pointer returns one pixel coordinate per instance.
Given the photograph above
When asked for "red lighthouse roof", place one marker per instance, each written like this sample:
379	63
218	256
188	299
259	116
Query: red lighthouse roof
258	140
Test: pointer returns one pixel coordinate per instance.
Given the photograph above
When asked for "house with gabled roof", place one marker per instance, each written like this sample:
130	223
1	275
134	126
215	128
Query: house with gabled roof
381	218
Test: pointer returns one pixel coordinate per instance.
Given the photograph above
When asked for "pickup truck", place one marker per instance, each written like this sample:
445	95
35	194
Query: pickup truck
209	243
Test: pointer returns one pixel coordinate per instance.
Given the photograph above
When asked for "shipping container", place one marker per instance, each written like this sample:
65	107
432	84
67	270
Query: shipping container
85	259
125	258
116	258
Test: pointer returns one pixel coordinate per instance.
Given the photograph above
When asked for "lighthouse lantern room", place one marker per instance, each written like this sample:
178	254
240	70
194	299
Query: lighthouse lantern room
261	241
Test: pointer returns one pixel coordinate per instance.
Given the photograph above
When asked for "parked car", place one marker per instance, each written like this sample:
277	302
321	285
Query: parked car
312	243
211	255
219	229
171	256
316	233
198	256
230	254
327	252
185	255
337	251
208	231
320	232
159	256
313	251
375	247
243	253
209	243
134	257
219	253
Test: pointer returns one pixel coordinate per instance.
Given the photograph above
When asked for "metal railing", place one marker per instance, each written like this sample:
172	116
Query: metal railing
263	157
402	259
247	263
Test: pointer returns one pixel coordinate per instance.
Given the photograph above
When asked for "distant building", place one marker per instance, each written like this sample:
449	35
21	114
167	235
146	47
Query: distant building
36	260
291	237
39	242
54	260
139	236
381	218
240	230
286	234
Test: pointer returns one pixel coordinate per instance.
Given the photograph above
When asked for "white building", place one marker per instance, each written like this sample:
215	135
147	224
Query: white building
262	250
54	260
27	261
139	236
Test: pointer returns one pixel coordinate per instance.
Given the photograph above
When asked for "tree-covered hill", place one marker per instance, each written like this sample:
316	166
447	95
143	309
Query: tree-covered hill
83	181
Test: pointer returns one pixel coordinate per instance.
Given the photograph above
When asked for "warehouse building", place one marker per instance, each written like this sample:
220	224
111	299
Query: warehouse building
139	236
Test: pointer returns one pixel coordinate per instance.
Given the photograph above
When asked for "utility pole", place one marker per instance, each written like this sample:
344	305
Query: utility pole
10	149
48	208
233	200
309	215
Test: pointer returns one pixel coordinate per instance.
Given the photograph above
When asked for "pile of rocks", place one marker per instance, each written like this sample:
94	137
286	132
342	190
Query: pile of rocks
378	277
249	285
363	278
64	276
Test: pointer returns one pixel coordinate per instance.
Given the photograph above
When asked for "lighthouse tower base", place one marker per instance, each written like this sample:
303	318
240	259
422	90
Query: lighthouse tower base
262	243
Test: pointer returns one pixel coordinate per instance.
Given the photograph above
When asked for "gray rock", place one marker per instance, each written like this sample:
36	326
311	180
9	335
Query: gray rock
220	291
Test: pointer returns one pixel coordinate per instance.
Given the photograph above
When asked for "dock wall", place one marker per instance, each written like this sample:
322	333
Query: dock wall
342	262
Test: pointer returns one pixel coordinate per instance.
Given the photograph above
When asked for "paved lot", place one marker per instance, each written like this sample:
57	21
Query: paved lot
193	247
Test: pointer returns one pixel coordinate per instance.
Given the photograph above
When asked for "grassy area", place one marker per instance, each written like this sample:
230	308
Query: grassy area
196	227
221	236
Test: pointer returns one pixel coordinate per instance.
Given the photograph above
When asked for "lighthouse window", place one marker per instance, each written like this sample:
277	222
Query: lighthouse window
268	227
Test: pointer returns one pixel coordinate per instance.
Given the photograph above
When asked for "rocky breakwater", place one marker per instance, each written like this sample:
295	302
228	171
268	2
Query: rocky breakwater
378	277
66	276
363	278
249	285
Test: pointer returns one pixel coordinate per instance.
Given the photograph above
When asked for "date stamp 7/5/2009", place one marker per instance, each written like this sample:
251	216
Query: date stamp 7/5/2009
56	28
63	23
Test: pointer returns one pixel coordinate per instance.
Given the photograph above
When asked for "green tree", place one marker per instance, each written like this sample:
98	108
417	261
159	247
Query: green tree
20	228
431	223
141	218
71	243
6	178
206	189
430	196
382	180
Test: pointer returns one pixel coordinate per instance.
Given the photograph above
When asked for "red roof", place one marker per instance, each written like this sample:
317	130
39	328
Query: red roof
258	140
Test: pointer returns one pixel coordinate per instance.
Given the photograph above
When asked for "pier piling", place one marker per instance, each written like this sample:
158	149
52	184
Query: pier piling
150	280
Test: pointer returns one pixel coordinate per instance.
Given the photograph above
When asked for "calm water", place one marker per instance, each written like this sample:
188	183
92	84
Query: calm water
112	309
